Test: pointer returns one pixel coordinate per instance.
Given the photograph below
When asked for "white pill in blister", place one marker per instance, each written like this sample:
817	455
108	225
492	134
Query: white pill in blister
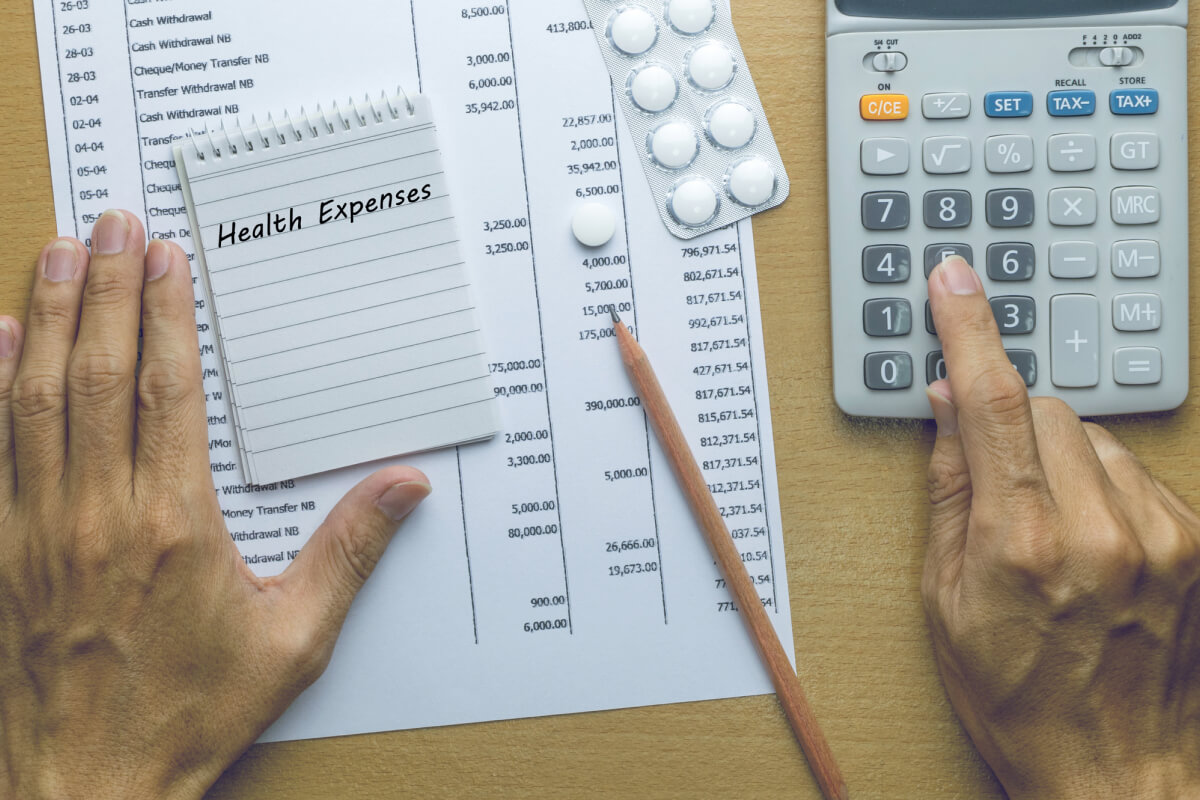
674	145
731	125
751	181
633	30
653	88
710	66
693	202
690	17
594	224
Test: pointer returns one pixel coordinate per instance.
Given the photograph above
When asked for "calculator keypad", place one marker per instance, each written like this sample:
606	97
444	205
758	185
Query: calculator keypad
1062	186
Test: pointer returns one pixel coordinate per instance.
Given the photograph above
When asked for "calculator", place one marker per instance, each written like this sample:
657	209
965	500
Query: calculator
1045	141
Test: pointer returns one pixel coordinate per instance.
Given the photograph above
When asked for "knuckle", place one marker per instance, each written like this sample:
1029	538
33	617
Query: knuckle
165	385
1052	408
1030	552
98	374
47	315
1001	390
305	650
1116	554
354	550
38	396
947	481
109	288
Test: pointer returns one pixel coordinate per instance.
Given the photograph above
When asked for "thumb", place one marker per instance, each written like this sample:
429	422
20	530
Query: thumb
949	496
342	554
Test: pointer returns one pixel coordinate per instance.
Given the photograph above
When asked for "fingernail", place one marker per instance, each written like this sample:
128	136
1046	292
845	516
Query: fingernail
944	412
958	276
8	342
158	260
400	500
111	234
62	261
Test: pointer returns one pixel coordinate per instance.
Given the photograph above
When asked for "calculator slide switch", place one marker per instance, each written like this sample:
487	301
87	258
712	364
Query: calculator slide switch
888	62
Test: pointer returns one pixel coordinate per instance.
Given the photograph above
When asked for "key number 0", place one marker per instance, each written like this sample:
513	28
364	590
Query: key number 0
889	372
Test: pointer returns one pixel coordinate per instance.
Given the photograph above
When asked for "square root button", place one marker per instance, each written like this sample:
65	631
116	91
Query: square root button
1137	366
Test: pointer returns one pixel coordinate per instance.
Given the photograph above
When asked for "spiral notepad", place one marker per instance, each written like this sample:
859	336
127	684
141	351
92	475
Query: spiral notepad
329	252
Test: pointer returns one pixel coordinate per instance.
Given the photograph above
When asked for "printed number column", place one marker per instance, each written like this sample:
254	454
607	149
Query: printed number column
99	124
511	512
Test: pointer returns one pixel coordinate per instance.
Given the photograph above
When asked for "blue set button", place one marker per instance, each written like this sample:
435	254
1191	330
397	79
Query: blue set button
1134	101
1078	103
1008	104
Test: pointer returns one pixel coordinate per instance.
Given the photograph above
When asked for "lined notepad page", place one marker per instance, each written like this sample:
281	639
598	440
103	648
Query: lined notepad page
342	301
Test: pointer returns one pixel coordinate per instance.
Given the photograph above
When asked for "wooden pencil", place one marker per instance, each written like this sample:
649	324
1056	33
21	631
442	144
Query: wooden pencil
704	506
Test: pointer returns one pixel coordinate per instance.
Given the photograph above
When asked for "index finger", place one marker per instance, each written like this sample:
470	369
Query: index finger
994	415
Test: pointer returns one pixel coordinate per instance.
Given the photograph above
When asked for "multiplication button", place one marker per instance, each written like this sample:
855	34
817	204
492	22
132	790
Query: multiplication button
1074	341
1072	207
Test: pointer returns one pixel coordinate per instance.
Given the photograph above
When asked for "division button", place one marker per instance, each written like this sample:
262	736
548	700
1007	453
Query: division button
1008	104
884	156
1075	341
1073	260
1137	366
888	371
946	105
1135	205
1072	152
1073	207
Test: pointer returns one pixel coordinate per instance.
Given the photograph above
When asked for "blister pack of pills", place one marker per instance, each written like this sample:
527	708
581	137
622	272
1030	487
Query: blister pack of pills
691	105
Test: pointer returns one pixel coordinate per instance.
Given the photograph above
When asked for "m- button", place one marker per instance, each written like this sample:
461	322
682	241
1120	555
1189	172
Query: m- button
883	106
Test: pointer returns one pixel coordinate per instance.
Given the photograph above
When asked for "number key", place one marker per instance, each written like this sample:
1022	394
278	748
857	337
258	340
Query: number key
885	211
1010	208
948	209
937	253
886	263
1011	261
888	317
1014	315
888	371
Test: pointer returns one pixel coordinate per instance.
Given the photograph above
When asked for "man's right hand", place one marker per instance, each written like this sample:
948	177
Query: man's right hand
1062	582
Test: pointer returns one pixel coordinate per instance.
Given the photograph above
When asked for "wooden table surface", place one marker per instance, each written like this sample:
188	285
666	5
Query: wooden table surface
854	509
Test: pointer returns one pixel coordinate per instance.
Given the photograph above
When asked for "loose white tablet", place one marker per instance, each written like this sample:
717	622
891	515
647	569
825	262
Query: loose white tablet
594	224
653	88
690	17
751	182
694	202
710	67
633	31
730	125
674	145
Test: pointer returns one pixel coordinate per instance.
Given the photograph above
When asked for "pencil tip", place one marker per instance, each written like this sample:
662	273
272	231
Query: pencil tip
613	311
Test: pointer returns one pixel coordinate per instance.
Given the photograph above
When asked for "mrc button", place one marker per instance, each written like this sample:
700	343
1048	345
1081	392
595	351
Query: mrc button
1008	104
884	106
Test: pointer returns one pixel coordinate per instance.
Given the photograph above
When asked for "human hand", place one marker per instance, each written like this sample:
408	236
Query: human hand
1060	582
139	656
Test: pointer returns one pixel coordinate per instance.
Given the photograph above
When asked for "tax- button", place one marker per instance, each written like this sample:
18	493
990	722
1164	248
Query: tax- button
1074	103
884	106
1008	104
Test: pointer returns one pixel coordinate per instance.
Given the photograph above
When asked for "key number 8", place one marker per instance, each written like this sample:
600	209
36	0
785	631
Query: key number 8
949	212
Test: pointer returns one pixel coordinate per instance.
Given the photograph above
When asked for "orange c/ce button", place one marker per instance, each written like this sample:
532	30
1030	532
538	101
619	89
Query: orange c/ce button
884	106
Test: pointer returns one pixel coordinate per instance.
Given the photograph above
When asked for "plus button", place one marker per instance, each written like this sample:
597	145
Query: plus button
1077	341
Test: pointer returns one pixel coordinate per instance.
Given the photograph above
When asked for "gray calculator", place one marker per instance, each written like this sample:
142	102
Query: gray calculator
1046	142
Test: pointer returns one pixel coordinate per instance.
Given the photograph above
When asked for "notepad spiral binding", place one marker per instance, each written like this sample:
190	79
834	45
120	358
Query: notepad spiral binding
208	143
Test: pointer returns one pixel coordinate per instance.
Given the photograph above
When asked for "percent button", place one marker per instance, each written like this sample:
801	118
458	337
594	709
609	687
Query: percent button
1009	154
